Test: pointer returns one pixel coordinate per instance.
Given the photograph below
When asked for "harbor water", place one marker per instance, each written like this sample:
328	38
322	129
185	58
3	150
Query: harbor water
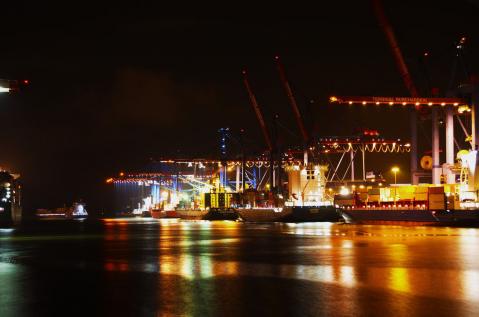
148	267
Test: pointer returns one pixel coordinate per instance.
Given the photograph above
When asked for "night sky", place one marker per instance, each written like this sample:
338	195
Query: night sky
114	86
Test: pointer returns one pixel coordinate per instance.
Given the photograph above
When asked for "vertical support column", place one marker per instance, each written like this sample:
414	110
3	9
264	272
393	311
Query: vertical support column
473	126
243	172
413	154
449	143
237	178
363	152
274	176
352	163
436	167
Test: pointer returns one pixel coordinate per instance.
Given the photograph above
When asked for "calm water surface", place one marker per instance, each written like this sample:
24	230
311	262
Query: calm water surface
127	267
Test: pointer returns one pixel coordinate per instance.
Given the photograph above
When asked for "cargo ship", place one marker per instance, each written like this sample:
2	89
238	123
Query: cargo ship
307	199
430	205
291	214
214	205
191	214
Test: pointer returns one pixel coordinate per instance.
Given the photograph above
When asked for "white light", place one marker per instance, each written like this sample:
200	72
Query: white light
3	89
344	191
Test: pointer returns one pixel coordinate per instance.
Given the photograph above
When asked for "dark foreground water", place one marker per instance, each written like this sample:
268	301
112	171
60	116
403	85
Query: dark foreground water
173	268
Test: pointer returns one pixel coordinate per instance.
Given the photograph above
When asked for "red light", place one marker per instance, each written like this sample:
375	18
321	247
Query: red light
26	81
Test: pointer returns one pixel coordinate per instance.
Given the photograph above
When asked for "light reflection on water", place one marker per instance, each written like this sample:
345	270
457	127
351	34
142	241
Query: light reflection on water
408	268
394	274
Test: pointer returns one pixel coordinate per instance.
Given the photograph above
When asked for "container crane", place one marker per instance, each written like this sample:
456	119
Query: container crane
406	77
257	110
292	101
259	116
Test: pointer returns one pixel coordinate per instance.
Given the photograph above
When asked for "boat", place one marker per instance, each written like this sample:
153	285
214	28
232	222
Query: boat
221	214
191	214
76	211
10	203
197	214
413	217
307	201
291	214
429	205
164	214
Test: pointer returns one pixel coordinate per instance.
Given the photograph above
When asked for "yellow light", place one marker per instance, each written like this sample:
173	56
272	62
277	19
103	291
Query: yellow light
122	174
109	180
443	104
395	169
350	102
455	104
344	191
403	103
333	99
417	103
364	102
361	186
391	103
377	103
429	104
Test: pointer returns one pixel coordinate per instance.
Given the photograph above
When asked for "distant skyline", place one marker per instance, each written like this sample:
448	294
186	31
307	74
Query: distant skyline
112	86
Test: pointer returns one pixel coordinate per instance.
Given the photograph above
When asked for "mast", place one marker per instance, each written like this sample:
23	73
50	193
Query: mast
257	110
406	77
294	105
292	100
262	124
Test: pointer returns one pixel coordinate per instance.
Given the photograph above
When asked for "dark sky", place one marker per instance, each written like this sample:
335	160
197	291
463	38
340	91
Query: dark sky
113	86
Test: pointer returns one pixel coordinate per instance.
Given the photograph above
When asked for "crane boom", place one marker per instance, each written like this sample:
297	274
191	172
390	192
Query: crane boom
406	77
292	100
257	110
400	63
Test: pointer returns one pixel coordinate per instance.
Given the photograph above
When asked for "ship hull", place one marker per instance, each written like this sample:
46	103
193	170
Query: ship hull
291	214
219	214
466	218
213	214
162	214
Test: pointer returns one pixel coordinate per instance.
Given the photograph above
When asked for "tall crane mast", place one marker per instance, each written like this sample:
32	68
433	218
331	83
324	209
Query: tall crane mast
400	63
406	77
262	123
292	101
294	105
257	110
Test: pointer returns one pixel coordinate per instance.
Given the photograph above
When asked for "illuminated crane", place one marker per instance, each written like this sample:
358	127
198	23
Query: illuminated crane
292	101
403	70
259	116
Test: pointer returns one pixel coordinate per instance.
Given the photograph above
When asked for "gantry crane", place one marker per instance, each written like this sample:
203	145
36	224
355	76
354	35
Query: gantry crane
294	105
264	128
